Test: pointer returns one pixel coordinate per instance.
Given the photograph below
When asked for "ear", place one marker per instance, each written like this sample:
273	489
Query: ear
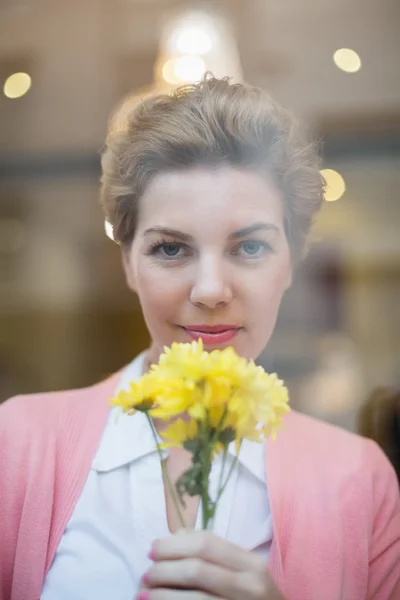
128	269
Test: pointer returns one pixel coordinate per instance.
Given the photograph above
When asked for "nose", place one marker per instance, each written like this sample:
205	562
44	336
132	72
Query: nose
211	288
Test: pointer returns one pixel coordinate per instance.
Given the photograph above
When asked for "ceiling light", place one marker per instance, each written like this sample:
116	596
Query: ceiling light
17	85
335	185
193	39
185	69
347	60
193	42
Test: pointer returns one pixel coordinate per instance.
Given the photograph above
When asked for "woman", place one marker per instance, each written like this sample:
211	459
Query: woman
211	193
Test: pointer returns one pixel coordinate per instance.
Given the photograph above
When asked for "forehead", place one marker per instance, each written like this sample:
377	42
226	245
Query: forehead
227	195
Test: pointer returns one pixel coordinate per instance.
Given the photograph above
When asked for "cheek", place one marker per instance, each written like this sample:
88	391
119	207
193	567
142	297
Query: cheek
269	290
158	292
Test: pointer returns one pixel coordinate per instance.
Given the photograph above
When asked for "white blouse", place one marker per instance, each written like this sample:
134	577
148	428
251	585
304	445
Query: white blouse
103	551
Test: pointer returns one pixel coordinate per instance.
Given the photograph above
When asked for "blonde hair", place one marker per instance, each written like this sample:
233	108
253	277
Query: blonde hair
210	123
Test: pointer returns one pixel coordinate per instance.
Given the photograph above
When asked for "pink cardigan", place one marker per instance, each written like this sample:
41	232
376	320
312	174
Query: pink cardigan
334	499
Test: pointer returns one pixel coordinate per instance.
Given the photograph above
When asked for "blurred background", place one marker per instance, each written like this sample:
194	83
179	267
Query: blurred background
66	317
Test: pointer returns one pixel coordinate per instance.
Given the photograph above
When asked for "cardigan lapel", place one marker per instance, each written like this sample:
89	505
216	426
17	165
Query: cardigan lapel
281	484
79	448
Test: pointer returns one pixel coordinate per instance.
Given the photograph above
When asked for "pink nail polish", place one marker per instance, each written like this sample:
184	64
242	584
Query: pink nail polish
145	578
143	596
151	555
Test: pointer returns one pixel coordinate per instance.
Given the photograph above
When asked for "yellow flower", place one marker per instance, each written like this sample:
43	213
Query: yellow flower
224	398
181	432
178	433
219	390
186	361
258	403
141	395
176	397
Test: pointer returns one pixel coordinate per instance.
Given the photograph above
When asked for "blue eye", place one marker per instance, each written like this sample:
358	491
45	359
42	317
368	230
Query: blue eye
252	248
170	250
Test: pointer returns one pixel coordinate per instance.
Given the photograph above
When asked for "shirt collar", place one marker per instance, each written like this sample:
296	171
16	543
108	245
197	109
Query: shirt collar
127	438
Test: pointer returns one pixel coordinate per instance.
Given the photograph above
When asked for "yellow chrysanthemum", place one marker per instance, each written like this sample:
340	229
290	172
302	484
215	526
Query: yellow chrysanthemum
182	361
179	432
141	395
258	404
177	397
224	398
221	389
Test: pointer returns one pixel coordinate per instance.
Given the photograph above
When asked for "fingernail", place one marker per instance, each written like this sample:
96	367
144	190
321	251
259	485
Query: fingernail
143	596
145	578
152	553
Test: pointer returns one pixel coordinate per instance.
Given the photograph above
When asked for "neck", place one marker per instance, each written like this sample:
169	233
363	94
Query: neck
152	357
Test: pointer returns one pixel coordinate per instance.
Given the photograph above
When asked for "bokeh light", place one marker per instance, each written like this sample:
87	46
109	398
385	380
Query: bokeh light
17	85
193	40
347	60
335	185
185	69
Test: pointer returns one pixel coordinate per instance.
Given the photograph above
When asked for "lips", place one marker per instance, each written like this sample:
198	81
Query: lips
212	335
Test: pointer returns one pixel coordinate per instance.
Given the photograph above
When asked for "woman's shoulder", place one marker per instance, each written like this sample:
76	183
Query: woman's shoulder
29	412
327	448
49	432
309	432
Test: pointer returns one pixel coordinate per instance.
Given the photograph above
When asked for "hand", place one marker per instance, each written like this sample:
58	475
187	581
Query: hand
197	565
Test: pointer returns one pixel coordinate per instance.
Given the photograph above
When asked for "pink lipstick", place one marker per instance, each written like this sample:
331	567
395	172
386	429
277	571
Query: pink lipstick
212	335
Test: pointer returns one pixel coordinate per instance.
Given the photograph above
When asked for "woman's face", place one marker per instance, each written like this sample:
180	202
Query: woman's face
210	259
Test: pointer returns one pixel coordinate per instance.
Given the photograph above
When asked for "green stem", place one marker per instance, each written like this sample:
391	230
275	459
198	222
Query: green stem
205	499
171	488
218	429
233	465
221	476
208	507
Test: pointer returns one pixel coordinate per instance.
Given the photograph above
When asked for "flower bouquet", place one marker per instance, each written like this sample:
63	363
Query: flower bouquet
208	400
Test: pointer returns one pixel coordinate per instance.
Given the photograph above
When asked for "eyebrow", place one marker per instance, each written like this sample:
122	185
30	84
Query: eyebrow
170	232
252	228
184	237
